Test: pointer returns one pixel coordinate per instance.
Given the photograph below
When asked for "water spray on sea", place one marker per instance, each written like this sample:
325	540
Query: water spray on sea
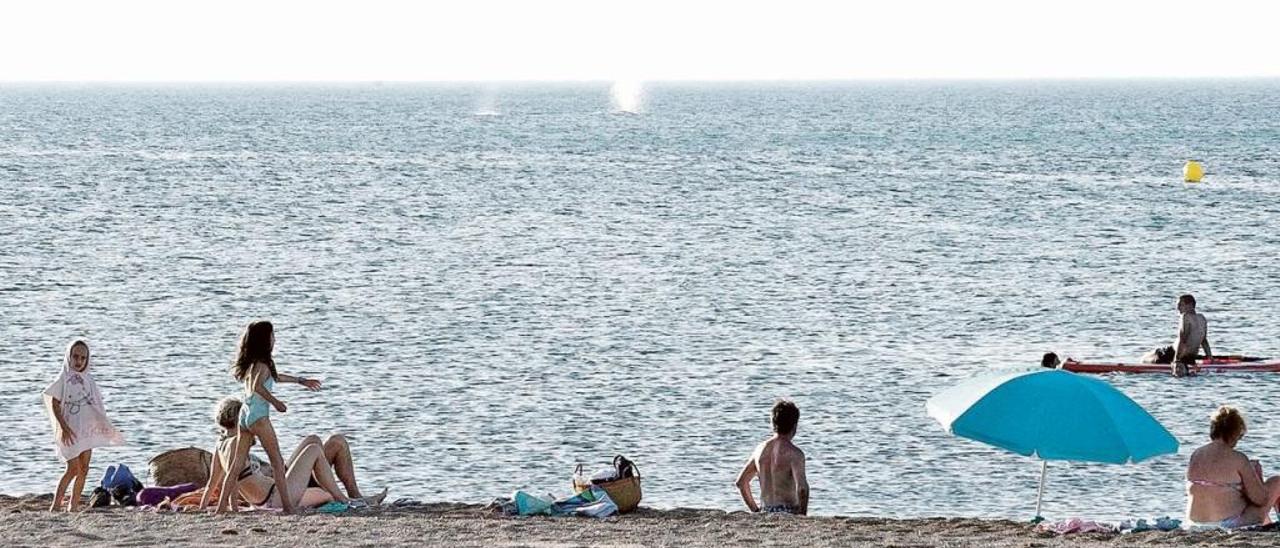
487	104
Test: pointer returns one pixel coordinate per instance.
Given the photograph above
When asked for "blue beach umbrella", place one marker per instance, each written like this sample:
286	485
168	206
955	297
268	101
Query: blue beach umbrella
1054	415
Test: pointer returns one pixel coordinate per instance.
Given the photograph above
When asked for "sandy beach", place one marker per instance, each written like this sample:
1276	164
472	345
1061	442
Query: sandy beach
24	522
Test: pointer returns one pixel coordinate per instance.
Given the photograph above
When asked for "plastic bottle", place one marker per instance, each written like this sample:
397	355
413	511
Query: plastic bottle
580	480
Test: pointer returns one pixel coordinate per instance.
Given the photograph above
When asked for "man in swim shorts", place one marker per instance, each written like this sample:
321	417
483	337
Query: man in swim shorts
1193	334
780	466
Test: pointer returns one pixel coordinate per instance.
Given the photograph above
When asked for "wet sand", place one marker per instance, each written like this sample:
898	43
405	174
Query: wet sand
25	521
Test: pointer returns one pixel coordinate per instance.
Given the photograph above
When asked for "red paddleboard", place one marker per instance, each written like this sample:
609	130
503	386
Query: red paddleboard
1225	364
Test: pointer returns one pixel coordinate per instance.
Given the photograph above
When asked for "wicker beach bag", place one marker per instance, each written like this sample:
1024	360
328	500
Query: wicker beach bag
624	492
178	466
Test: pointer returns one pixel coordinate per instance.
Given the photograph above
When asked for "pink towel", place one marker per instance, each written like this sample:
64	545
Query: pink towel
1076	525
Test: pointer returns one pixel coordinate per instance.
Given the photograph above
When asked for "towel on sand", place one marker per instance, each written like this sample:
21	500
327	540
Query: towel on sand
594	502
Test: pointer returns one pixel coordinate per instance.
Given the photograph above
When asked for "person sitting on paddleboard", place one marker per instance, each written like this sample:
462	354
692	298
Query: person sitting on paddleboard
1193	334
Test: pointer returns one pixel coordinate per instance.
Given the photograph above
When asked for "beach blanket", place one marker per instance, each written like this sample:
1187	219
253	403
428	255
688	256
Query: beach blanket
191	500
82	409
593	502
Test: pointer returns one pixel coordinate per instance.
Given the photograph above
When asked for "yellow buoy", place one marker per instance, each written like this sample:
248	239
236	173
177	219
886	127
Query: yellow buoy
1193	171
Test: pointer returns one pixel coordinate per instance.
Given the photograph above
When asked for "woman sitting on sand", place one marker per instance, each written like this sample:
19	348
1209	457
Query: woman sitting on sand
312	460
1224	488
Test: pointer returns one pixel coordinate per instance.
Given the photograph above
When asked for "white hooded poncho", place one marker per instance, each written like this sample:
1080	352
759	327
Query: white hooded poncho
82	409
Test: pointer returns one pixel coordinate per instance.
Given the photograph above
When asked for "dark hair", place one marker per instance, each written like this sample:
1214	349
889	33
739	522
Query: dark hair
785	415
1225	424
1188	298
1049	360
255	347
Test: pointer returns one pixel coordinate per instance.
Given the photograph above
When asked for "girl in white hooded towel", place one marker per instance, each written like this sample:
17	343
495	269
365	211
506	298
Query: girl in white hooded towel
79	420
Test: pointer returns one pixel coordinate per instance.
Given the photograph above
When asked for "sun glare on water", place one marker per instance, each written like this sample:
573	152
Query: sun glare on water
627	96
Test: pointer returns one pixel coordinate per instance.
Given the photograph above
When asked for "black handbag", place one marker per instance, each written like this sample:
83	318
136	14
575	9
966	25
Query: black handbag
624	467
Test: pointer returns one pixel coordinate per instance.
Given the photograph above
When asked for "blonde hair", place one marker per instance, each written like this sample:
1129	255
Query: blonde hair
227	415
1226	424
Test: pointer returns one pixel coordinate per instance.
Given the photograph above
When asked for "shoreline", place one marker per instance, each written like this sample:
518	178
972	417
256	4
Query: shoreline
25	521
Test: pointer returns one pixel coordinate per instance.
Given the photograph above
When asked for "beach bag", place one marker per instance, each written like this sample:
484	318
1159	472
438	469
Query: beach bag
119	476
100	498
623	491
126	495
119	481
179	466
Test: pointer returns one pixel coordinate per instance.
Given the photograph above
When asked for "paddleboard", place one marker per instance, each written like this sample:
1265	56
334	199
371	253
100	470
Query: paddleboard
1226	364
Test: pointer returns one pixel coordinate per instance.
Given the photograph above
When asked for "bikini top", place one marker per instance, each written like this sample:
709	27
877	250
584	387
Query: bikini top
1235	485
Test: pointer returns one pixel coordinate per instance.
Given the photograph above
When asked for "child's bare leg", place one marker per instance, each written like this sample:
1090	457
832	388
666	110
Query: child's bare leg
310	463
267	436
231	480
72	466
338	453
82	473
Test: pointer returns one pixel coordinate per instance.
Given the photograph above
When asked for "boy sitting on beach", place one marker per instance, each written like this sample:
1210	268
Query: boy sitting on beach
780	466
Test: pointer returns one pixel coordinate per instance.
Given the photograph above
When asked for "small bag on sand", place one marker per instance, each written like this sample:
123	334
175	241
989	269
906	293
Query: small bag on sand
178	466
624	491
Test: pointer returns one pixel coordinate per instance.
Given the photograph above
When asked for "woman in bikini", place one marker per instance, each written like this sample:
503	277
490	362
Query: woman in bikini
317	463
1224	488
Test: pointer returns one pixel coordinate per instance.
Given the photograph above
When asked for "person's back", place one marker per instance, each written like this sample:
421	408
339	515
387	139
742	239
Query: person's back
1193	334
776	461
1214	487
1224	488
780	466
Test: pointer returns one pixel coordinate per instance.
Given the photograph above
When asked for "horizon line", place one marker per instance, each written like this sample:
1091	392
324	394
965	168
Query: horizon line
656	80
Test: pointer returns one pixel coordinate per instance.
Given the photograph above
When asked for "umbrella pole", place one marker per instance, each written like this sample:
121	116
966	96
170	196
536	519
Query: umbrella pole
1044	470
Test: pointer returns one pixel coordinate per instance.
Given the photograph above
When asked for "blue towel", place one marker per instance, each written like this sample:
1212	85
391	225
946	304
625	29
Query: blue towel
333	507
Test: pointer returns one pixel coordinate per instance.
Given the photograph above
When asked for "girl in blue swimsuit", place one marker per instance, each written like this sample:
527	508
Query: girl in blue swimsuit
255	367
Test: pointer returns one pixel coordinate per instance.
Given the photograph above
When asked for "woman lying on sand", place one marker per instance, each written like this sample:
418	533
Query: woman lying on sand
311	460
1224	488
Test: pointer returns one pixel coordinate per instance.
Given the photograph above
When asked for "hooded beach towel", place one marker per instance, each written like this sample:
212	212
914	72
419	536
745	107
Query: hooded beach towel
82	409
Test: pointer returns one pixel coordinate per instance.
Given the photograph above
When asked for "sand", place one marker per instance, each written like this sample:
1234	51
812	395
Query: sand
25	521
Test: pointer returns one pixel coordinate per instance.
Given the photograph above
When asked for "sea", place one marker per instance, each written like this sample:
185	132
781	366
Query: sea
497	282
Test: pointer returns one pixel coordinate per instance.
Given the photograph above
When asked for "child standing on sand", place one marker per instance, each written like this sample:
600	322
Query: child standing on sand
255	367
79	420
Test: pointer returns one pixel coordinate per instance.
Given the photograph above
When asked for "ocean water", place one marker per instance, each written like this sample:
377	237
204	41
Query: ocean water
496	282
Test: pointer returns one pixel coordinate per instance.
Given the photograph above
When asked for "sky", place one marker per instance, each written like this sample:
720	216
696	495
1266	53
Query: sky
643	40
